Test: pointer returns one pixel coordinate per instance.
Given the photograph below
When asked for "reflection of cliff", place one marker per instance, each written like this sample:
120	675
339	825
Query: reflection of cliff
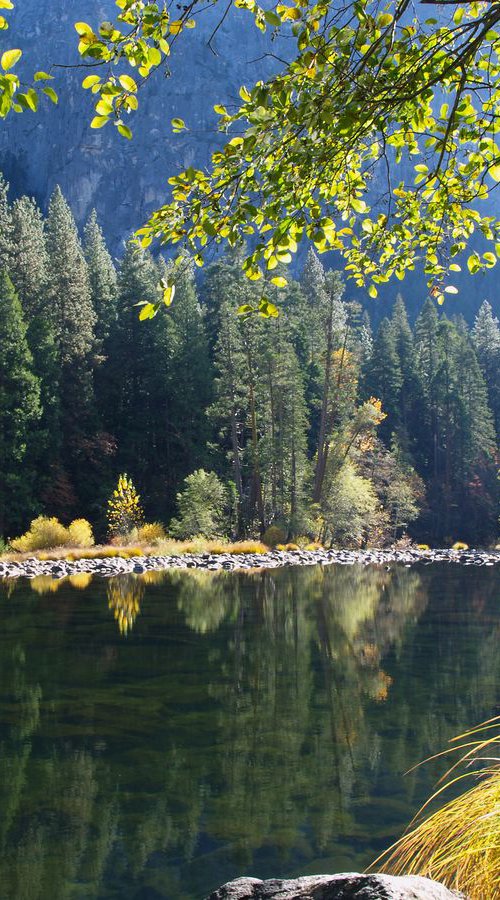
255	722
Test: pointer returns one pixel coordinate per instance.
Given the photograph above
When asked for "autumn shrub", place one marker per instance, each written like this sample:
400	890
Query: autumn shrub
80	533
150	533
124	508
44	533
274	535
459	545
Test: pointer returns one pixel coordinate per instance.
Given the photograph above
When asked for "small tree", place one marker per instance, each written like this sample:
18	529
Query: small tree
202	507
124	508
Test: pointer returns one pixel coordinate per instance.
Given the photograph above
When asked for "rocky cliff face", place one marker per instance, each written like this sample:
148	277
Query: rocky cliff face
126	180
123	180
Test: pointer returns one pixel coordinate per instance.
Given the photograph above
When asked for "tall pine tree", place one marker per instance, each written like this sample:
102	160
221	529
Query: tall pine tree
19	413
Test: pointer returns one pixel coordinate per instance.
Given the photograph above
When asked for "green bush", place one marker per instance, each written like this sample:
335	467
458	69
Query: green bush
202	507
273	535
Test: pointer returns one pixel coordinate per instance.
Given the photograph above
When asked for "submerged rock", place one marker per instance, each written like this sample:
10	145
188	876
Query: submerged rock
336	887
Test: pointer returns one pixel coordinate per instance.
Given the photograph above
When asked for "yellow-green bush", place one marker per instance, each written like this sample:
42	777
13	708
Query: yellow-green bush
274	535
80	533
44	533
459	545
151	532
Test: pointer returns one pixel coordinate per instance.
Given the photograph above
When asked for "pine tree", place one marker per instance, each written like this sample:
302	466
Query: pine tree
102	279
486	340
73	320
190	379
383	377
229	411
410	399
69	285
29	271
19	413
7	246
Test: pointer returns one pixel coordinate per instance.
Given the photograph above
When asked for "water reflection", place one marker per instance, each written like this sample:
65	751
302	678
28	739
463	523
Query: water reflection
256	723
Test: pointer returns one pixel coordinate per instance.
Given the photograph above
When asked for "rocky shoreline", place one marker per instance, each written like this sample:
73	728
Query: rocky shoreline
274	559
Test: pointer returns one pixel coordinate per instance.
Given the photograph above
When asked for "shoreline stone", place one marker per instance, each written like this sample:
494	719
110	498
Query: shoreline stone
347	886
273	559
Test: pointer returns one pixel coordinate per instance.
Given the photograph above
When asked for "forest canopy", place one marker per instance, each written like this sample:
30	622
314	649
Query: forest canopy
376	137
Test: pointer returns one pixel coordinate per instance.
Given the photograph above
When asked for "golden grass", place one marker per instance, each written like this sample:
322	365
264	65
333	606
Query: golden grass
165	547
459	845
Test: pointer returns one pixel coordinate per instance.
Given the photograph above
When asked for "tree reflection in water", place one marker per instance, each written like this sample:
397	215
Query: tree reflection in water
250	722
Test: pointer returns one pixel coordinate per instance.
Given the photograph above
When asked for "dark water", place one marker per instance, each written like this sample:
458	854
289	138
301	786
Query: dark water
160	737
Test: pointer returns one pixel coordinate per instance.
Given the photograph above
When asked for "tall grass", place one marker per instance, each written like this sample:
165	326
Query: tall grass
459	844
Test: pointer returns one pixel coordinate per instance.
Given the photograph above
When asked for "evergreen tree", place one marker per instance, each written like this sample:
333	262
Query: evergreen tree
69	285
73	320
410	399
190	383
19	413
7	247
229	411
102	280
383	377
486	339
30	274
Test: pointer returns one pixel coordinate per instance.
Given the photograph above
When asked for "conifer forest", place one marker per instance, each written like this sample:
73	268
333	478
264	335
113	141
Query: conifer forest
310	420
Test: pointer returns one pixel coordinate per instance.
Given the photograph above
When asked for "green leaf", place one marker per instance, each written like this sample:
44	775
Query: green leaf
245	94
104	108
372	291
450	289
90	81
51	94
42	76
10	58
272	18
267	309
245	309
494	171
99	121
148	311
178	124
168	294
279	281
358	206
124	130
83	29
128	83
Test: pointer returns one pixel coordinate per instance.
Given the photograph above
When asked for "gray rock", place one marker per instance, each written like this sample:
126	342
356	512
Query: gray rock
348	886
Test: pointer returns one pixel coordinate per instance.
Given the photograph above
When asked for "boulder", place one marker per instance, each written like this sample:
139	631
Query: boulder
336	887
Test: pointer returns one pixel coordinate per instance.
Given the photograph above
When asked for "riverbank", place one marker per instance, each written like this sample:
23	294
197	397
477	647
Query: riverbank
272	559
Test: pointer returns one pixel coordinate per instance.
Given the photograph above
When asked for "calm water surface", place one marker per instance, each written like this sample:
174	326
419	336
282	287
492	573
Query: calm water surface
159	736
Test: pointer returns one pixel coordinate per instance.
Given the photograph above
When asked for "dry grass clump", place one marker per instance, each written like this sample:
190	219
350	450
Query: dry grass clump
459	845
